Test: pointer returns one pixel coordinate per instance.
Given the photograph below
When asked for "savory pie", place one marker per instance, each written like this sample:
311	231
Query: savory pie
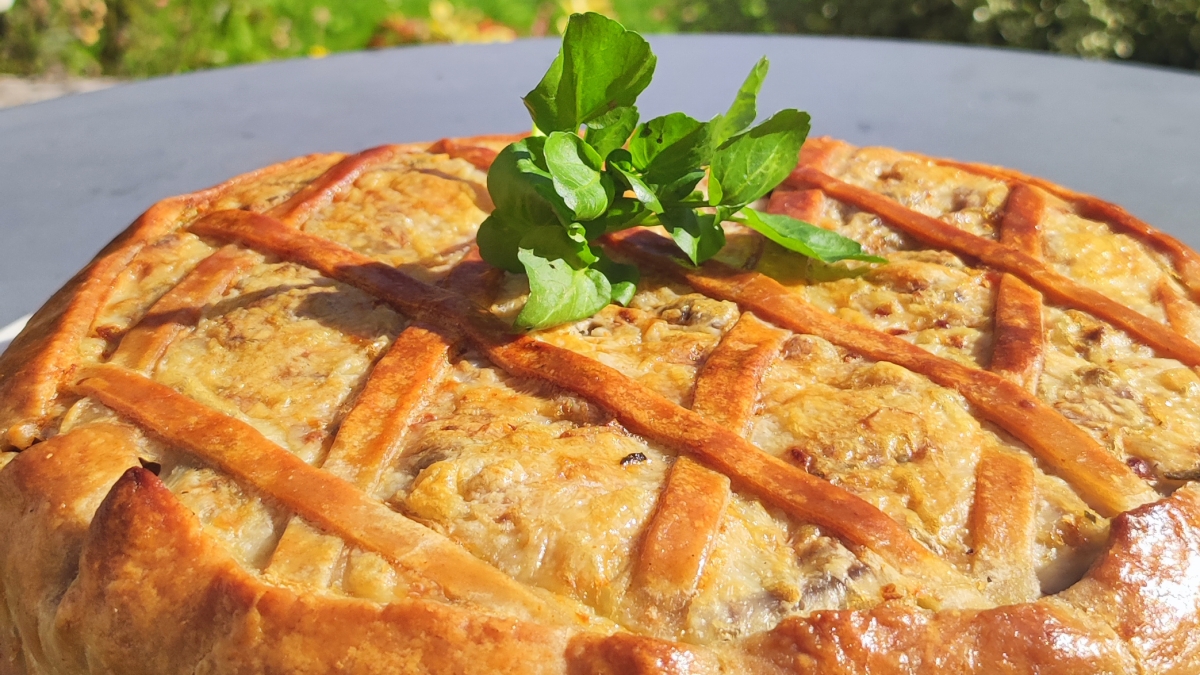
283	426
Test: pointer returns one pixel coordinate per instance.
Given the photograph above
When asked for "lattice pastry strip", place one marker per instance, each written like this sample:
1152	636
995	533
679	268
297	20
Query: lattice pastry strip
1002	526
1103	481
1002	517
1186	261
371	433
1019	339
1058	288
683	530
317	496
364	445
1182	313
180	308
639	409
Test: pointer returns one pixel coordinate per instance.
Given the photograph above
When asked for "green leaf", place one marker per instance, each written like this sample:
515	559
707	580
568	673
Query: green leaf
600	67
745	105
610	131
699	235
623	214
670	146
749	165
554	242
542	102
623	292
681	188
575	171
521	186
498	239
559	293
555	192
715	193
623	278
512	183
806	239
620	164
655	135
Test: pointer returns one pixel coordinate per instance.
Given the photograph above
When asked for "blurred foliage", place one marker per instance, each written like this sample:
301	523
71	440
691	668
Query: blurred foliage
136	38
1165	32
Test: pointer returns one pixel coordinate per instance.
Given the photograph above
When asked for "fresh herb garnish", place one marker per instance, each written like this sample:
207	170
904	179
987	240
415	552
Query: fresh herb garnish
557	191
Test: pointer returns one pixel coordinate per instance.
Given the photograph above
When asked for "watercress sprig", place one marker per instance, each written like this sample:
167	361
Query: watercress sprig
558	190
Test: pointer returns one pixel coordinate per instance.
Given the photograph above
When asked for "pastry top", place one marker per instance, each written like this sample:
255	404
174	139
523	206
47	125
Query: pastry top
283	425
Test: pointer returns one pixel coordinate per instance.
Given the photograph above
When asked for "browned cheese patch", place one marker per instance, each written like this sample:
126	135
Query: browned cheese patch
241	521
1114	263
971	203
531	481
878	430
549	490
764	569
902	443
929	298
418	212
264	193
283	351
660	340
156	269
1143	409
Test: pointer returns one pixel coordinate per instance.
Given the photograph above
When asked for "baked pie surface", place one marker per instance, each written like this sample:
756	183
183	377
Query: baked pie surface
281	426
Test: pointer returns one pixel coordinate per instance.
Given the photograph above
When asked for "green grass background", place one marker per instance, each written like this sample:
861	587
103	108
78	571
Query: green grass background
139	38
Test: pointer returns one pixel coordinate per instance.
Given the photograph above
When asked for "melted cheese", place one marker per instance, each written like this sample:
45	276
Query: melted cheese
546	490
283	352
419	213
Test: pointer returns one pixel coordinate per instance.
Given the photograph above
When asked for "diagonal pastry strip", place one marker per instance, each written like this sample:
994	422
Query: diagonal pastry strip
1105	483
369	436
1002	526
180	308
1002	515
676	546
1019	351
398	384
317	496
727	386
1187	261
639	409
1032	271
365	443
679	538
316	194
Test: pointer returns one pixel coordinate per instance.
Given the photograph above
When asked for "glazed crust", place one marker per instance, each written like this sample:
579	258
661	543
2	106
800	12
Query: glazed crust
105	569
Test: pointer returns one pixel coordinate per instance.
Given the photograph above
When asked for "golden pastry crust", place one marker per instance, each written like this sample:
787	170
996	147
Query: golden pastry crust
281	426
